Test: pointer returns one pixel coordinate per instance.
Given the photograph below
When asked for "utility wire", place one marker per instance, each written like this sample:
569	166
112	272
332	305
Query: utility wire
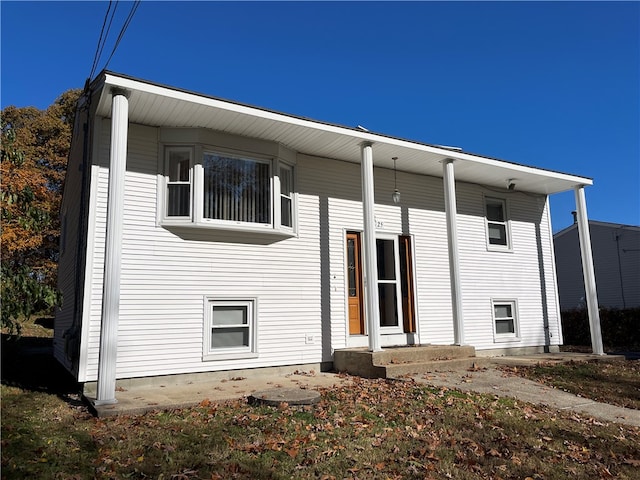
106	35
134	7
102	39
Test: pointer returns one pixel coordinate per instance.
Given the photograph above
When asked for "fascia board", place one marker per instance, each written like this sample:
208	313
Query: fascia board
113	80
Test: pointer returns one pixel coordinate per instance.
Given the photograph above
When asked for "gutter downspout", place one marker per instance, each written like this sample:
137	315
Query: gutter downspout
113	248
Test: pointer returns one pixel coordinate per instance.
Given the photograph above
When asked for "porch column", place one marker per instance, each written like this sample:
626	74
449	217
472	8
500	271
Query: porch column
369	249
452	244
588	271
113	247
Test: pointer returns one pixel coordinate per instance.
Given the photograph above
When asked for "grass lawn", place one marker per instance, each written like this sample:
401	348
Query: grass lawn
617	383
374	429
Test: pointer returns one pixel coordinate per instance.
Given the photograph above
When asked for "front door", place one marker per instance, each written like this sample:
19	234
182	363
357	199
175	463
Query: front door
354	284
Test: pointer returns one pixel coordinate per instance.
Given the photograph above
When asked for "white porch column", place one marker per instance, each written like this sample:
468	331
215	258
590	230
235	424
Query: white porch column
588	271
452	243
113	247
370	258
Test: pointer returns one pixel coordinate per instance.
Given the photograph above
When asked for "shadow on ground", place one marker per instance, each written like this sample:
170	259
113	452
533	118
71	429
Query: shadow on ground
28	363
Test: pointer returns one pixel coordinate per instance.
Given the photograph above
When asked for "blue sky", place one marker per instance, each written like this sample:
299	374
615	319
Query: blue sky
549	84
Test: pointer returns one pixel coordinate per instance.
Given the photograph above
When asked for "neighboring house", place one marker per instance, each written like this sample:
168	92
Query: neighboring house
616	260
202	235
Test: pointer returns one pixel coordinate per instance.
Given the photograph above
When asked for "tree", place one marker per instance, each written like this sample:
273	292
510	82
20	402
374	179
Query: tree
35	147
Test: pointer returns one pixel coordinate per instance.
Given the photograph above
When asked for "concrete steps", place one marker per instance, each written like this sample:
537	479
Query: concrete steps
401	361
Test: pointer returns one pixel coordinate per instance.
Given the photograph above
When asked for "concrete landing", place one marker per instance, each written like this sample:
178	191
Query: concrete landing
166	396
400	361
411	360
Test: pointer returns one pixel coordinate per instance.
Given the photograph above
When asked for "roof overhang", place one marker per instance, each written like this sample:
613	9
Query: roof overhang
162	106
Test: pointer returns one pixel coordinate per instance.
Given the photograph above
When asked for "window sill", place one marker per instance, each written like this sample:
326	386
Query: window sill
228	355
506	339
499	248
282	232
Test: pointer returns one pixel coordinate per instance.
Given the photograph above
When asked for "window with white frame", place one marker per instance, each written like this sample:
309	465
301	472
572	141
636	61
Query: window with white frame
505	319
230	328
178	171
497	223
224	190
286	195
236	189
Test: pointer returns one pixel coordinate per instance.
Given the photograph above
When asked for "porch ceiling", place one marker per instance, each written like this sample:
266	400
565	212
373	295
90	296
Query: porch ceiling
156	105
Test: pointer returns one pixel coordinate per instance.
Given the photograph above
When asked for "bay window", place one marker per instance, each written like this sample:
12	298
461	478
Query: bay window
213	189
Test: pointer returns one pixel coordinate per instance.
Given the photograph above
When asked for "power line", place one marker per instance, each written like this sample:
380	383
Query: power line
104	33
102	39
113	13
132	12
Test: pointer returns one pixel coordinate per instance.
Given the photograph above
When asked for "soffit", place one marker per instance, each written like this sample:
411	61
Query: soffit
156	105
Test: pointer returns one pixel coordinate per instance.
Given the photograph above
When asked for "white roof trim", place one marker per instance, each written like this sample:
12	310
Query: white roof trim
496	169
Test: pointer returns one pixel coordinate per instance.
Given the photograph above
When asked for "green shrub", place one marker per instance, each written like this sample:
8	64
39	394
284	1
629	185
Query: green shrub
620	327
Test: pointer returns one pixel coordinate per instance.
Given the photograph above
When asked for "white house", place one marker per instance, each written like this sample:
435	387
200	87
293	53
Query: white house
202	235
616	260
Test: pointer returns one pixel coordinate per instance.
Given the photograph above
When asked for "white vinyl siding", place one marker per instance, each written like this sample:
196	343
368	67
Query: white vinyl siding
166	274
299	282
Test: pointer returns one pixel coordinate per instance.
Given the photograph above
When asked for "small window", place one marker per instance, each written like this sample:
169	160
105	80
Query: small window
505	320
178	182
230	328
286	191
497	223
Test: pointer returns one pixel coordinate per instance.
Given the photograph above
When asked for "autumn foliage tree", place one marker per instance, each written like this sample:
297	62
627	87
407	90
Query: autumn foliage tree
35	147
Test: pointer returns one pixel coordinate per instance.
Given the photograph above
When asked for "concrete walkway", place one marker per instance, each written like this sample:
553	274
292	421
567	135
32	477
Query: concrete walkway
493	381
140	399
487	379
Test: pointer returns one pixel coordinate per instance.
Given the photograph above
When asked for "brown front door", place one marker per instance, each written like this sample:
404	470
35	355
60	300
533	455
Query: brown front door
354	284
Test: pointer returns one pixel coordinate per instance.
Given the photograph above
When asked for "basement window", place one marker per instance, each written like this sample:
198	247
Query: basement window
505	320
230	329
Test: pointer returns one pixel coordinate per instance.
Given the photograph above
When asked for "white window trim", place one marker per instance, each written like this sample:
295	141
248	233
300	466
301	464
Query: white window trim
232	353
507	224
165	184
291	196
197	220
506	337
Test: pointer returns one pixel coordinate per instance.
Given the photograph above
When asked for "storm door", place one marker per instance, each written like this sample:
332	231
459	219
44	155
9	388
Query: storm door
389	292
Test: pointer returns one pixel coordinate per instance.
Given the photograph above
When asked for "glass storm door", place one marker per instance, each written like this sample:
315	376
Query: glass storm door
354	284
389	284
